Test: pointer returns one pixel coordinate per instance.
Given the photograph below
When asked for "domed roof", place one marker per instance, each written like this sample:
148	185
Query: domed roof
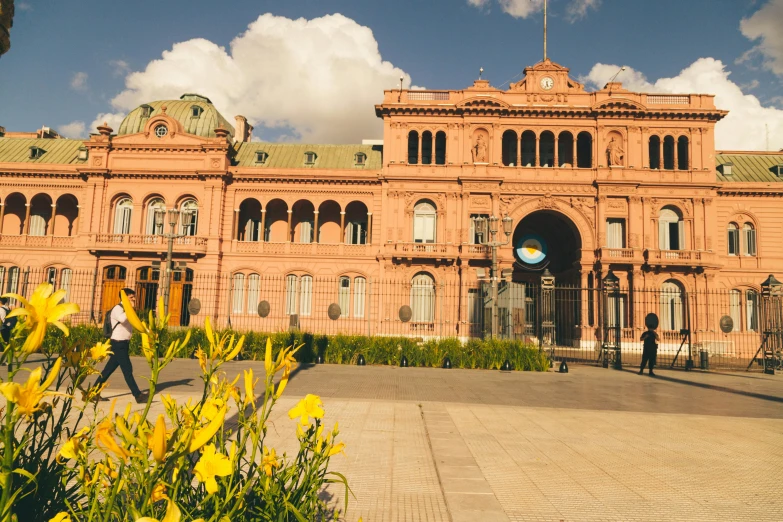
204	124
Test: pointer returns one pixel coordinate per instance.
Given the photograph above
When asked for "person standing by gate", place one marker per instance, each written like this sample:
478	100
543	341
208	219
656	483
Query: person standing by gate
119	332
650	350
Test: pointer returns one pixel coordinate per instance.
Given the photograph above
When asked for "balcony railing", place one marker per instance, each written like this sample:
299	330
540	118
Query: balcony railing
300	249
147	243
680	257
37	241
619	255
429	250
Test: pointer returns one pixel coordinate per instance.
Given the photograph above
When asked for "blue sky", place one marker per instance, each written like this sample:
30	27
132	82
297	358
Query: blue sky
69	61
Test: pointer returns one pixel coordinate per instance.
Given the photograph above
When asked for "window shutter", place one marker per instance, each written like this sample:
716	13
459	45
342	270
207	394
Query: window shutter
358	296
290	295
305	307
751	240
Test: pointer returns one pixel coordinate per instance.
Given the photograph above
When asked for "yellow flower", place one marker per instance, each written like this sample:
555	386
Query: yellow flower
74	448
62	516
202	359
337	448
101	350
205	434
43	308
159	493
283	383
145	346
250	394
173	514
28	396
211	465
158	441
286	359
211	408
133	319
208	329
269	363
270	461
104	437
310	406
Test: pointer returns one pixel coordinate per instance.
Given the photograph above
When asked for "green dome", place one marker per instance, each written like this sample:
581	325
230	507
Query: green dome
204	124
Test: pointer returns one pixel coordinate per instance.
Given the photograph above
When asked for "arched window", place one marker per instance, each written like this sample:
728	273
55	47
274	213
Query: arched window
290	294
584	150
423	298
424	222
156	216
344	296
733	239
668	153
188	214
304	284
359	285
671	233
306	295
413	147
655	152
239	294
40	214
749	243
751	311
66	274
672	309
682	153
546	149
565	149
122	216
253	291
426	148
249	227
440	148
510	148
528	149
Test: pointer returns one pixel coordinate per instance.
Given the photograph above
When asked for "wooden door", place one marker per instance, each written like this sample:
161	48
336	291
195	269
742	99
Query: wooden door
113	282
175	298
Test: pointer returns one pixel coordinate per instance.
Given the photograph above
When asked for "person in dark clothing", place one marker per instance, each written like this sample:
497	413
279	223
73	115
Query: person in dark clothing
121	331
6	325
650	350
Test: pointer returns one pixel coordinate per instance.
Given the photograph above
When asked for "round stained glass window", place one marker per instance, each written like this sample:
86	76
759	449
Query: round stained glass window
161	130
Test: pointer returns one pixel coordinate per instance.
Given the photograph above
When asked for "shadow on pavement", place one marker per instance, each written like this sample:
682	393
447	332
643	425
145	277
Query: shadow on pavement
171	384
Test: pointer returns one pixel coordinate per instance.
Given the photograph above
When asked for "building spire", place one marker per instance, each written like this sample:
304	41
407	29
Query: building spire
544	30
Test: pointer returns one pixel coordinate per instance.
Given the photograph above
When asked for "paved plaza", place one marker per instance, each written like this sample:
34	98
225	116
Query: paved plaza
593	444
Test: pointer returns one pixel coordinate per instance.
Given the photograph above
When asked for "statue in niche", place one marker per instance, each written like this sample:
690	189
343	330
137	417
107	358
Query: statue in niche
615	153
479	150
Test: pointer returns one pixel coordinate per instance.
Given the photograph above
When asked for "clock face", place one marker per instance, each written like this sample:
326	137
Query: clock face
547	83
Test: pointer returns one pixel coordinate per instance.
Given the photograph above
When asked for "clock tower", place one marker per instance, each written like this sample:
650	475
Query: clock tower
547	77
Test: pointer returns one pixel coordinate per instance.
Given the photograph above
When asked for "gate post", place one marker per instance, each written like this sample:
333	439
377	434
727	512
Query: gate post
772	317
548	311
613	325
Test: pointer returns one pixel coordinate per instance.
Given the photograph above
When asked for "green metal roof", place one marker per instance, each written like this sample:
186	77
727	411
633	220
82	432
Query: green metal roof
180	110
55	151
750	168
292	155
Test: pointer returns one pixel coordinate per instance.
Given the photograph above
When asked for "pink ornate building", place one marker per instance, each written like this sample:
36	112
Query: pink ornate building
592	181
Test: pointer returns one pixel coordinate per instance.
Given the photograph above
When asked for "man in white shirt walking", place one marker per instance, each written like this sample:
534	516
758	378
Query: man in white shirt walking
121	331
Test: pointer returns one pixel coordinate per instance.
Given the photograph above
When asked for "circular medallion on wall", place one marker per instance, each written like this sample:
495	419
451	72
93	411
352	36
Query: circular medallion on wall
531	250
264	308
334	311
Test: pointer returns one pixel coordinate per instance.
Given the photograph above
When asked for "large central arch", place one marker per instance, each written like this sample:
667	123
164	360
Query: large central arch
547	239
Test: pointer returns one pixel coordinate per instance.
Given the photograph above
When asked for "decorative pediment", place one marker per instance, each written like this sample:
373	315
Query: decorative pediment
615	104
483	102
547	77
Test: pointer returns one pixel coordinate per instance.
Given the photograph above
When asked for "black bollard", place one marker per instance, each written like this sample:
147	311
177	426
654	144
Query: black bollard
563	367
360	361
319	359
447	363
506	366
404	362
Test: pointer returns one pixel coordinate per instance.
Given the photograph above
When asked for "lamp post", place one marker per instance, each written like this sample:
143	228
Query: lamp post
173	216
493	243
612	289
772	322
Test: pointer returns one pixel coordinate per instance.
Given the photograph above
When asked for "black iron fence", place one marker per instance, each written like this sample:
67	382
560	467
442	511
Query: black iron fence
588	325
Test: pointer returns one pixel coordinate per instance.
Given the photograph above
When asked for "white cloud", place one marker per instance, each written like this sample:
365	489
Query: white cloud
24	6
765	25
575	10
79	81
120	67
75	129
113	120
744	127
318	77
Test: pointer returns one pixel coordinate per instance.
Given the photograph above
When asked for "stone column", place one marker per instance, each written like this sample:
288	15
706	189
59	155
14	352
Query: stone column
676	164
315	226
556	162
77	221
660	154
573	158
288	234
27	219
262	232
537	154
432	151
418	160
235	228
369	228
341	239
2	216
519	151
633	212
52	219
601	221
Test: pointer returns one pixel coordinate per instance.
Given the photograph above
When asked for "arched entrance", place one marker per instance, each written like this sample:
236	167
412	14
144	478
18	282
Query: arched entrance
546	239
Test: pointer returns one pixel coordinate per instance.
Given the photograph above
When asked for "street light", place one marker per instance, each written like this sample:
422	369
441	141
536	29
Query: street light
173	216
612	288
492	221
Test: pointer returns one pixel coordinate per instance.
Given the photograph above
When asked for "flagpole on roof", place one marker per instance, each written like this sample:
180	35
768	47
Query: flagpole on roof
544	30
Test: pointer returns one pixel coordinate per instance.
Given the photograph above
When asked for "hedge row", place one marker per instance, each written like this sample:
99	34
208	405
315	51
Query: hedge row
345	349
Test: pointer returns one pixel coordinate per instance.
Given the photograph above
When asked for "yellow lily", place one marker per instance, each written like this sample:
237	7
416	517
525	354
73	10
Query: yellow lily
101	350
250	396
202	359
173	514
159	439
62	516
104	437
205	434
145	346
268	361
310	406
337	448
133	319
28	396
283	383
233	353
208	330
159	493
270	461
211	465
74	448
42	309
